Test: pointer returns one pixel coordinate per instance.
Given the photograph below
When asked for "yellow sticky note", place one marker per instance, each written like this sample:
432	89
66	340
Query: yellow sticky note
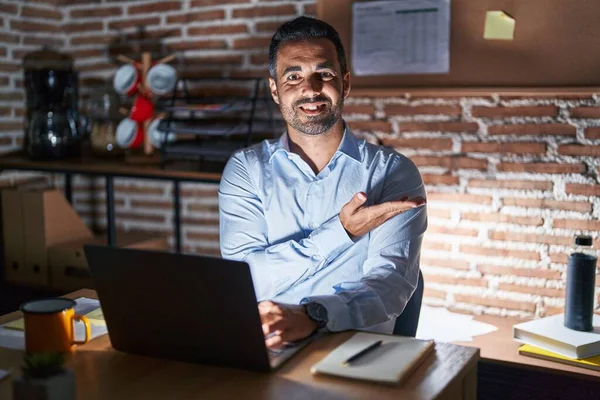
96	317
18	324
499	25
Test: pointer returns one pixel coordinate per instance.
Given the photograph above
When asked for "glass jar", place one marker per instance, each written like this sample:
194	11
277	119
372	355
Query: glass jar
102	119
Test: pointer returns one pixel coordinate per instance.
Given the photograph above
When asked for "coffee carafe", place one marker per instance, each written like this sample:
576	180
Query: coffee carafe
52	120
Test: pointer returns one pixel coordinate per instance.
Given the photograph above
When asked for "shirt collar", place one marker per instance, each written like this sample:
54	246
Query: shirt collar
282	145
348	145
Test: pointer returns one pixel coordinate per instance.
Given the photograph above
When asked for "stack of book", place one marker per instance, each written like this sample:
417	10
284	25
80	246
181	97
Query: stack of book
548	339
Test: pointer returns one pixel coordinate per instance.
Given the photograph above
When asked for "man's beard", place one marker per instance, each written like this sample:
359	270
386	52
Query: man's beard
313	125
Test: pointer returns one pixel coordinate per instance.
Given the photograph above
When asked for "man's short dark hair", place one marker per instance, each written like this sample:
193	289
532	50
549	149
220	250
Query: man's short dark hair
303	28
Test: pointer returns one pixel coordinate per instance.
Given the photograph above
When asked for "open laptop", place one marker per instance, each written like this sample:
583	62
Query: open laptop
182	307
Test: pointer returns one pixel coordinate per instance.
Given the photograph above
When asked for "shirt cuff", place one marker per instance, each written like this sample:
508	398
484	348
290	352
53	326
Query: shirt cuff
331	239
338	312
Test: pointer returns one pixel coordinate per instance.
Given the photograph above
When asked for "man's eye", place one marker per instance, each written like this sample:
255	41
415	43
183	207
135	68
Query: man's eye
293	77
326	75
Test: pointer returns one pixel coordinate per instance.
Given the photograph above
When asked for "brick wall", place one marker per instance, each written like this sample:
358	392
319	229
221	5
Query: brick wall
510	179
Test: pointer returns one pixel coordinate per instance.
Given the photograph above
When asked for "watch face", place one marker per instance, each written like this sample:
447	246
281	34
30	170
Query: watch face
317	312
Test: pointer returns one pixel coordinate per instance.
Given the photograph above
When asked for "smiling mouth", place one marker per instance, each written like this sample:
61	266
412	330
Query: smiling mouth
312	108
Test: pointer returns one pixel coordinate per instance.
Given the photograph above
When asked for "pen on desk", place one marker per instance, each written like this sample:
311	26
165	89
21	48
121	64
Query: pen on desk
363	352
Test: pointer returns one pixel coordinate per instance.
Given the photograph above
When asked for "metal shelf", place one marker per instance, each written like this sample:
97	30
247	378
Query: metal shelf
215	128
215	120
90	165
209	104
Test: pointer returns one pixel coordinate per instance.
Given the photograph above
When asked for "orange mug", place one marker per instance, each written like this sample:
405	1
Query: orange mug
49	326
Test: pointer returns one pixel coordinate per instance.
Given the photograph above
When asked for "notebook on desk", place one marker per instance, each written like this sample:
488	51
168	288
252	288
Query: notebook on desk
391	362
592	363
551	334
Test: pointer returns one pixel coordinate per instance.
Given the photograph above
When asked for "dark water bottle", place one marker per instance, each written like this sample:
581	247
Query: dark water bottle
581	278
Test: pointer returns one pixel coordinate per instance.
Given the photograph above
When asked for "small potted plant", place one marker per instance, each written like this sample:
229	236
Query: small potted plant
44	378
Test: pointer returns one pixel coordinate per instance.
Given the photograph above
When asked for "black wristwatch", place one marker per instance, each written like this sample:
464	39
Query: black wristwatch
317	313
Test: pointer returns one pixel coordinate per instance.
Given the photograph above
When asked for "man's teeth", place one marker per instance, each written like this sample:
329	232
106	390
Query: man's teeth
311	107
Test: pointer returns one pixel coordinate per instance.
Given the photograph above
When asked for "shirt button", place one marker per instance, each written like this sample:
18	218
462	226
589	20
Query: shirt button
312	225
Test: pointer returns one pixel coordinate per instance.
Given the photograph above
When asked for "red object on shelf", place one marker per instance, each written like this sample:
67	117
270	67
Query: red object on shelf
138	141
142	109
132	79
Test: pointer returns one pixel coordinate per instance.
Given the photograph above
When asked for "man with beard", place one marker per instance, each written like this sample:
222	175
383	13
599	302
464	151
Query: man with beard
330	225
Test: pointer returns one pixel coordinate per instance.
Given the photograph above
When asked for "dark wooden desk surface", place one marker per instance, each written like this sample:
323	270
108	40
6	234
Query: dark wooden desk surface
499	347
103	373
90	165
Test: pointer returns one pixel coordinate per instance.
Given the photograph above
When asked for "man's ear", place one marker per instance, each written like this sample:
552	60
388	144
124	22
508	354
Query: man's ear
346	82
273	87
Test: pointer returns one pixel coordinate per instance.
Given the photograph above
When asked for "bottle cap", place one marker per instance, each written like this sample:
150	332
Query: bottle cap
583	240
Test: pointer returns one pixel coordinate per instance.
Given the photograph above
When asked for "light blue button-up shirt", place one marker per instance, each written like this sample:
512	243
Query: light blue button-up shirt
283	220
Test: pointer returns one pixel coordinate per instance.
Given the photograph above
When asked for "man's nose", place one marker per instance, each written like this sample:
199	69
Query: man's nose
312	86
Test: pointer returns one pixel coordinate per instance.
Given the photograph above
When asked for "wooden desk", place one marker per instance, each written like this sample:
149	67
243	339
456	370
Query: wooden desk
103	373
117	168
499	347
97	166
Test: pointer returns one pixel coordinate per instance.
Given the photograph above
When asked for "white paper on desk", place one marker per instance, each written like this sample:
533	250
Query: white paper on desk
441	325
401	37
85	305
3	374
14	339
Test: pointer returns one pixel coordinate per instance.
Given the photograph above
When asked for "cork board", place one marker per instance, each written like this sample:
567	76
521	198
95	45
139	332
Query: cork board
554	46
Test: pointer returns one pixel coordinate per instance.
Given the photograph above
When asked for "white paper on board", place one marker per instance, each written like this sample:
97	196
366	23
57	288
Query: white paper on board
401	37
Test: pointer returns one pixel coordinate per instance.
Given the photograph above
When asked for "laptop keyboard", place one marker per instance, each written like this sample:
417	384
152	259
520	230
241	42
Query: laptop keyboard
283	349
274	352
277	356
